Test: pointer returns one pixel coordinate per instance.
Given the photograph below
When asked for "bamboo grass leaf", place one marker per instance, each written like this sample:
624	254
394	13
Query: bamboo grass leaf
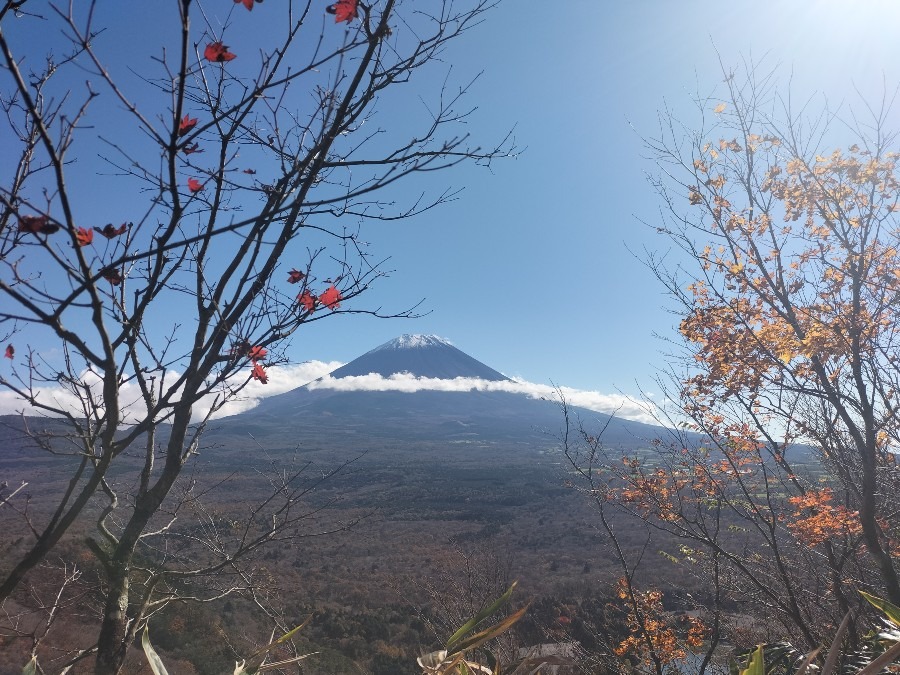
807	661
156	664
834	651
878	664
890	610
478	639
479	617
757	664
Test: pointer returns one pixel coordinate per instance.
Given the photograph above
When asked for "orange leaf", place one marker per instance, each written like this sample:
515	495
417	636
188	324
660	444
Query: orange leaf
83	236
186	124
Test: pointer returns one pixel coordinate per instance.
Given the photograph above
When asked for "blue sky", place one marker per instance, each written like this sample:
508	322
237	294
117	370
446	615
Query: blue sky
533	270
536	268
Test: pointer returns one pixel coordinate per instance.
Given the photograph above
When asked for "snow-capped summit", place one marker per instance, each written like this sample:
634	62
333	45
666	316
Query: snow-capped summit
419	355
413	341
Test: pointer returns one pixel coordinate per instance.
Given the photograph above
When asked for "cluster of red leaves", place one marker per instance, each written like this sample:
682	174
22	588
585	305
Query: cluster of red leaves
218	53
343	10
331	298
649	628
37	225
10	351
83	236
650	491
256	355
816	519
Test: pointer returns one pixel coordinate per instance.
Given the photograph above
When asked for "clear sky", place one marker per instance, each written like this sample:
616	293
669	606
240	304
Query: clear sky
536	268
532	270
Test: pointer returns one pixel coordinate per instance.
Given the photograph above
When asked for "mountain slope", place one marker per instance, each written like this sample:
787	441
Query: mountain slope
316	410
419	355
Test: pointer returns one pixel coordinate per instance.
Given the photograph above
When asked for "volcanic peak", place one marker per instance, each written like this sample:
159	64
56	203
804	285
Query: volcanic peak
420	356
414	341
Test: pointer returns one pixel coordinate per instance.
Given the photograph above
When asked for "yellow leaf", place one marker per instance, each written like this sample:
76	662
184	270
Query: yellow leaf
719	108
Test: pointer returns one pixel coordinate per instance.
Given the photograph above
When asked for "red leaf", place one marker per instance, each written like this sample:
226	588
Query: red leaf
259	373
246	3
112	276
84	236
10	351
257	353
191	149
250	171
218	53
307	300
343	10
110	231
186	125
194	185
295	275
37	224
331	298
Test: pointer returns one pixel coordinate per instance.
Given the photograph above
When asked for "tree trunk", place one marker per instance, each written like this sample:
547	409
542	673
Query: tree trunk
111	646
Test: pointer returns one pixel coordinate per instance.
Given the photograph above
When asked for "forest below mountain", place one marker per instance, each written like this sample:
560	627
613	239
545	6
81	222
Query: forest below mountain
404	541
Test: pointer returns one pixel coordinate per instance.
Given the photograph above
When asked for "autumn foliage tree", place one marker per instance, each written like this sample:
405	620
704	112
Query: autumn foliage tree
170	217
779	494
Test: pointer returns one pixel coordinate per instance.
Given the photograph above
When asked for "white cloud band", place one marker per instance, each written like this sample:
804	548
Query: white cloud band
316	375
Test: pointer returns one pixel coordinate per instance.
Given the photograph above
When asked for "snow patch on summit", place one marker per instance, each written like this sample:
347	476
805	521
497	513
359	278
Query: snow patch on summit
415	341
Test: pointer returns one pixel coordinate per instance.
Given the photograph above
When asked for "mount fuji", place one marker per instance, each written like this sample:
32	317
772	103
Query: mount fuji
419	387
420	356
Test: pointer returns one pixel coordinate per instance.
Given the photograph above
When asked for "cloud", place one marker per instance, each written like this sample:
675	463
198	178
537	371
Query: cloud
281	379
316	375
618	404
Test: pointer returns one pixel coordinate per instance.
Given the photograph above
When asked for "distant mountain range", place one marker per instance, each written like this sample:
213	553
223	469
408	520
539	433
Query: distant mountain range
331	405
